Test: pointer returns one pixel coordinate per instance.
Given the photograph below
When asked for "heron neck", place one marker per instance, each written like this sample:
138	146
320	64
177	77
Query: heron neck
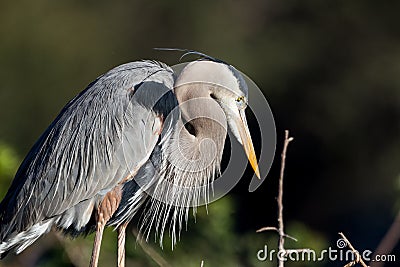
200	134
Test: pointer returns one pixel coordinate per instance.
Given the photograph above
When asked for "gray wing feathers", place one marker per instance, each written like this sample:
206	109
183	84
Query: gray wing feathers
96	140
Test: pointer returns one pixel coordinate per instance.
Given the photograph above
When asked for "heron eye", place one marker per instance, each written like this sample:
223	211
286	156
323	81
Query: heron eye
241	102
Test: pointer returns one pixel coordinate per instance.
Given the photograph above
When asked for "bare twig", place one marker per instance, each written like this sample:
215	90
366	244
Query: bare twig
280	196
267	228
358	256
281	227
150	251
352	263
388	242
271	228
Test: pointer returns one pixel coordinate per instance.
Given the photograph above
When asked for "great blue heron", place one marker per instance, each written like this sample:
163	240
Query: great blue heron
137	132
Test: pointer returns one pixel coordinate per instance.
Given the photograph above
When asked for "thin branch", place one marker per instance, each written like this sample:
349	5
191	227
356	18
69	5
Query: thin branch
350	264
388	242
358	256
267	228
150	251
271	228
281	229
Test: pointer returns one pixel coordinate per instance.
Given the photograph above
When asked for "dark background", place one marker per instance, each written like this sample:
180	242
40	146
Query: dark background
331	74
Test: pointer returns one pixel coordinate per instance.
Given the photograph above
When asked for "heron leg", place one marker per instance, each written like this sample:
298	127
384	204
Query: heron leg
105	211
121	244
94	260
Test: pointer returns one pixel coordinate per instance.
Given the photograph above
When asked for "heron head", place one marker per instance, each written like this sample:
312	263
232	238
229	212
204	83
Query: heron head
224	84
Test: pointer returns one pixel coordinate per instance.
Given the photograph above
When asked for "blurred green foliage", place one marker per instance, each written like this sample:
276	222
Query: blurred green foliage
9	162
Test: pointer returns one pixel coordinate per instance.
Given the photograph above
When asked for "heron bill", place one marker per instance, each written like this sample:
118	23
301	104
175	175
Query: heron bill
247	142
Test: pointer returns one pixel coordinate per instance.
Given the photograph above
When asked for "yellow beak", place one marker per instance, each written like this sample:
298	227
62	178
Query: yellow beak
247	142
